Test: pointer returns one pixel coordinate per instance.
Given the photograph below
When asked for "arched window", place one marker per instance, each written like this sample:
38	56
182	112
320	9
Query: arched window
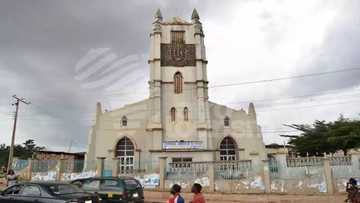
227	149
173	114
124	121
125	152
186	114
226	121
178	80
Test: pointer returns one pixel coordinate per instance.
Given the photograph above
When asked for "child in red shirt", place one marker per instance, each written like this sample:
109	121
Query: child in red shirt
198	197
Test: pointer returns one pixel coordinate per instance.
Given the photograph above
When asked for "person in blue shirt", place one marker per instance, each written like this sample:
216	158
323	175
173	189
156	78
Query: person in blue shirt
176	197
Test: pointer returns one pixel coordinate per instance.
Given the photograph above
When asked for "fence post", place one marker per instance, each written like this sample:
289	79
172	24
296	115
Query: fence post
60	168
266	176
281	158
29	169
355	159
115	167
100	162
211	174
328	176
162	172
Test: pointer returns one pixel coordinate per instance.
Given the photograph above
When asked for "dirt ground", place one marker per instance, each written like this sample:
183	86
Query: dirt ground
157	197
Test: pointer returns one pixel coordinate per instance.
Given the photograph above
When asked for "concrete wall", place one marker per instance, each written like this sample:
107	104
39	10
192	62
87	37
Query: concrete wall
325	178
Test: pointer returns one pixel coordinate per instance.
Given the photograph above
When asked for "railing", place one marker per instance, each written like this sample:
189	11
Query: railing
341	161
242	165
318	161
19	164
72	166
223	169
195	168
44	165
304	161
273	167
232	169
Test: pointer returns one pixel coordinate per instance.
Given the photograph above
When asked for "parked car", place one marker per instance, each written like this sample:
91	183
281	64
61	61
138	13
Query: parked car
113	189
46	192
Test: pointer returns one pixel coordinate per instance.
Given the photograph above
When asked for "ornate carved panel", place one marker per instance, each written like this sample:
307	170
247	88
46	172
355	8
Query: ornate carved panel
178	54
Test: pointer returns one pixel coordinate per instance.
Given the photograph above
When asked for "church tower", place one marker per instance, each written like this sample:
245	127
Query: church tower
177	121
179	108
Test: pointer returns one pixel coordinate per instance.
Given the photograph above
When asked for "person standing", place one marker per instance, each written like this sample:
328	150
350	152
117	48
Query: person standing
3	172
11	178
176	197
198	196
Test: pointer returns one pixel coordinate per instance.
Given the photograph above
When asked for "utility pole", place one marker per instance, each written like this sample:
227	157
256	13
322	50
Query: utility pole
70	145
11	153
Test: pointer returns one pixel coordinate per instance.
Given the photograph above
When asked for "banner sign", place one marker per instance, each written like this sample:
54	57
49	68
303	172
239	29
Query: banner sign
182	145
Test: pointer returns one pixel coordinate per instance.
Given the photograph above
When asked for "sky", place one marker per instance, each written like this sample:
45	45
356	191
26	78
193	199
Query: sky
45	44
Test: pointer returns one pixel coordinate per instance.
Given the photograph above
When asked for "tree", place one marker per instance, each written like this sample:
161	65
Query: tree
4	154
327	137
344	134
24	151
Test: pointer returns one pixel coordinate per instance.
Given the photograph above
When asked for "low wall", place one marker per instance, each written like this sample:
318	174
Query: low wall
281	175
186	180
299	180
248	185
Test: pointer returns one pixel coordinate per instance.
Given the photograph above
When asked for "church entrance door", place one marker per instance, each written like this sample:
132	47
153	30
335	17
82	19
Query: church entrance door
125	153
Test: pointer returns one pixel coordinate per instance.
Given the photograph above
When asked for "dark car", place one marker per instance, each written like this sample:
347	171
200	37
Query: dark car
46	193
113	189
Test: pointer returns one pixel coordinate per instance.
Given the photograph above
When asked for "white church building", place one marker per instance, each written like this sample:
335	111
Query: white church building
177	120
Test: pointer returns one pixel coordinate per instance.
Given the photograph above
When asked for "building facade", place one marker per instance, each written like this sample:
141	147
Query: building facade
177	121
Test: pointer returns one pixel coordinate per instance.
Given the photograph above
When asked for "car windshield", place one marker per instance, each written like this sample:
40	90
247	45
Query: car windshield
61	189
111	185
132	184
12	190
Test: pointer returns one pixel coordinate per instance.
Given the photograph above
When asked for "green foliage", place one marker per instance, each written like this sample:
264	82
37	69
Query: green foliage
4	154
327	137
23	151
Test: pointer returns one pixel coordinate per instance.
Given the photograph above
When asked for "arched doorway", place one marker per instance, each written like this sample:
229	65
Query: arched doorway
125	152
228	149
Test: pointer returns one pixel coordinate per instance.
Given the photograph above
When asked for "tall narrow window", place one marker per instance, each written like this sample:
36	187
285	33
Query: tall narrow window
226	121
178	80
186	114
173	114
124	121
177	37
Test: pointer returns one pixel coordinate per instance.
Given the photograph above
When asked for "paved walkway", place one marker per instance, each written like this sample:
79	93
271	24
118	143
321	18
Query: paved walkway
161	197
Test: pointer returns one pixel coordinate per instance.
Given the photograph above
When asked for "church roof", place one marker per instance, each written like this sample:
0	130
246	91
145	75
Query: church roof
176	21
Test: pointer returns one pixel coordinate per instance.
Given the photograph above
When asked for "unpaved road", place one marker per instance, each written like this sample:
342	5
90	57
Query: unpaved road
161	197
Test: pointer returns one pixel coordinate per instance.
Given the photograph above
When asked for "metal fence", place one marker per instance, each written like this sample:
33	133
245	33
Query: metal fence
222	169
233	169
188	168
44	165
274	169
19	164
318	161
